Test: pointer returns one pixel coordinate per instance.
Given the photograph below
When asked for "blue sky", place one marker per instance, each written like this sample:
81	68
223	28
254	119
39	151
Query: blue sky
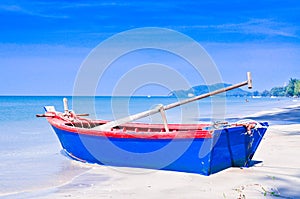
43	43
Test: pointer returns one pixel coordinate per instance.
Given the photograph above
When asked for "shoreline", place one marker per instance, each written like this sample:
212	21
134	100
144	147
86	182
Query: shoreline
277	176
64	180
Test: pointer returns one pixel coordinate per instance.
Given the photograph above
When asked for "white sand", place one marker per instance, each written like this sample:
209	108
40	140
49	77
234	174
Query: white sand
278	176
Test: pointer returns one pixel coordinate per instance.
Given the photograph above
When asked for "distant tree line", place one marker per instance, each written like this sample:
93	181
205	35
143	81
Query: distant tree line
291	90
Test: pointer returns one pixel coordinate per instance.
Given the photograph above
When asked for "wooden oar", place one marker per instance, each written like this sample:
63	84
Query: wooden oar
161	108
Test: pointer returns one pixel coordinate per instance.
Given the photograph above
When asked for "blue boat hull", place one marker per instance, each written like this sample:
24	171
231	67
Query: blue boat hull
228	147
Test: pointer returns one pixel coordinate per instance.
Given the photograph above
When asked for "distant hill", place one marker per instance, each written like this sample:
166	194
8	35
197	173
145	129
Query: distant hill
202	89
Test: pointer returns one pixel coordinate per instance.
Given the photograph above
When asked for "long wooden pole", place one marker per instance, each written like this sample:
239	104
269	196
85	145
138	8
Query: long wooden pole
109	125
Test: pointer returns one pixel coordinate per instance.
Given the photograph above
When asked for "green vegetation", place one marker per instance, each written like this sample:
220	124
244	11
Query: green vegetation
291	90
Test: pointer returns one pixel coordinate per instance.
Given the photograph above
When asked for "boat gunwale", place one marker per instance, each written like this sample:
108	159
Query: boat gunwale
181	133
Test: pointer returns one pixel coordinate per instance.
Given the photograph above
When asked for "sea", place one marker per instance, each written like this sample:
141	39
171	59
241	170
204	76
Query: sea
30	153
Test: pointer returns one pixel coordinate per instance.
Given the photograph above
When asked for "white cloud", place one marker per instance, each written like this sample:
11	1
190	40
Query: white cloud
32	11
262	26
266	27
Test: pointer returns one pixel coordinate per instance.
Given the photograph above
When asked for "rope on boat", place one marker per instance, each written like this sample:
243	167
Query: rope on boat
220	124
252	127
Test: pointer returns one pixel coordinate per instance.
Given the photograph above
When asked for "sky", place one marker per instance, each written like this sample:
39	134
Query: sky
43	43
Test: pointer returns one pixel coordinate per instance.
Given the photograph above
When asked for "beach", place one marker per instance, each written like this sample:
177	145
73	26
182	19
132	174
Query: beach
277	176
275	172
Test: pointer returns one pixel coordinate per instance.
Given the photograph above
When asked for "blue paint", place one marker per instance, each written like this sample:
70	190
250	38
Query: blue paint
229	147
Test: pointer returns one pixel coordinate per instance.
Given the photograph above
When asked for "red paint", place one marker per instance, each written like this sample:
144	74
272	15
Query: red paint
144	131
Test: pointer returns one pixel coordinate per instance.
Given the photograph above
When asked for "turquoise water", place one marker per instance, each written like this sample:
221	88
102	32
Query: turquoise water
31	156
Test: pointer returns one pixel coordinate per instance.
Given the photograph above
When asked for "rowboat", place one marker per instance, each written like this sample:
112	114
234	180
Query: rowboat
195	148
